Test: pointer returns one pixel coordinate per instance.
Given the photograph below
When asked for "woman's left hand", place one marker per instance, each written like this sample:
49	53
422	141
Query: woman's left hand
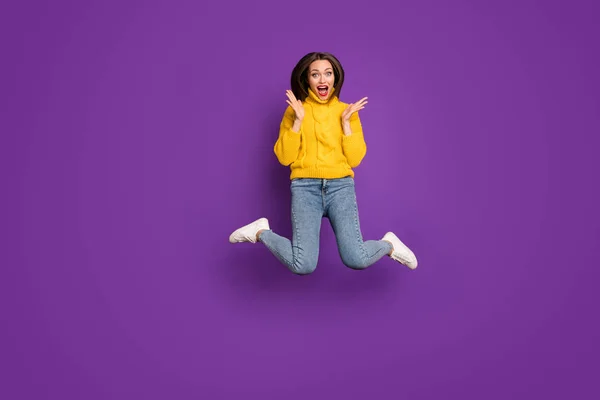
352	108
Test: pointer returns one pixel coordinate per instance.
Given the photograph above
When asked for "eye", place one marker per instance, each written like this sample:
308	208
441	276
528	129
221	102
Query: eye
328	73
315	75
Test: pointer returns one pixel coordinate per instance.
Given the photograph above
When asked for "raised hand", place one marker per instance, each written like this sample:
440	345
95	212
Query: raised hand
296	105
352	108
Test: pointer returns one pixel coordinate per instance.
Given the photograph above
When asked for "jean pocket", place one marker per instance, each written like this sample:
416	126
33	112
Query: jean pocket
296	181
348	180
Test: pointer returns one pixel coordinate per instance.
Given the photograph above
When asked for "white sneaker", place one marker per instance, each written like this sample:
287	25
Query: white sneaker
248	232
401	252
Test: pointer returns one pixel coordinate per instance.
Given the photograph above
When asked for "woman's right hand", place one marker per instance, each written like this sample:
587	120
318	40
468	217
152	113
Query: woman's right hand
296	106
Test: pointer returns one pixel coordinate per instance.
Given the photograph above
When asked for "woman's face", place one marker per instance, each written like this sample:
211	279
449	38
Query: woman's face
321	78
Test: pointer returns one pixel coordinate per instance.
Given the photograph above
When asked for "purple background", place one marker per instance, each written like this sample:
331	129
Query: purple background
135	136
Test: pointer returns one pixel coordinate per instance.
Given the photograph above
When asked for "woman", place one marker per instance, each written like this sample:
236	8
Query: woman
321	140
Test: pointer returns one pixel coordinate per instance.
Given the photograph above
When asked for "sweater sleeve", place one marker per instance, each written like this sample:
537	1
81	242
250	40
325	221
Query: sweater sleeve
354	145
288	144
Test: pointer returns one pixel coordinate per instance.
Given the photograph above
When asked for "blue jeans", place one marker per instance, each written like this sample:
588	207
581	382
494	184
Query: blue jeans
313	199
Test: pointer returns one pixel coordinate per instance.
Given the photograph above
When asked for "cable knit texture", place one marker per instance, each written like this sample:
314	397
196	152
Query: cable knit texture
320	149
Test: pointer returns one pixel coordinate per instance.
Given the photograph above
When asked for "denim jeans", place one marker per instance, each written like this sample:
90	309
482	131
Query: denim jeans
313	199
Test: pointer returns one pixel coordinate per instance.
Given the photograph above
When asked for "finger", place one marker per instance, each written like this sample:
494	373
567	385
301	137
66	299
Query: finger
294	106
354	109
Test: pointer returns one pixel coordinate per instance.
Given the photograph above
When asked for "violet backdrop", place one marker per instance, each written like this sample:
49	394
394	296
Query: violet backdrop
135	136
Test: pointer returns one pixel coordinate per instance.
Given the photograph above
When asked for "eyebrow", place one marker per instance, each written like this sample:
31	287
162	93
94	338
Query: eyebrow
314	69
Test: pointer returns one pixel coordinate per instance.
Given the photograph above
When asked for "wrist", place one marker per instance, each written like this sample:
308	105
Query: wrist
297	124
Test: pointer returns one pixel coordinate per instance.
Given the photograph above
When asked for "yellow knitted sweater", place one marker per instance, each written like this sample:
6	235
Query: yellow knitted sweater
320	149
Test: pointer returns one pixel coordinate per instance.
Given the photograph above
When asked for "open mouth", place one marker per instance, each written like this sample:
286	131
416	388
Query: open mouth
323	90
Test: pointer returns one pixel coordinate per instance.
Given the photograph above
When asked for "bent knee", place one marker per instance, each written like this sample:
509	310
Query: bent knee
304	268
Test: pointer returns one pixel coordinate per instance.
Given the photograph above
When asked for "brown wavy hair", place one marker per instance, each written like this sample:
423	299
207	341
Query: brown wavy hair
299	79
